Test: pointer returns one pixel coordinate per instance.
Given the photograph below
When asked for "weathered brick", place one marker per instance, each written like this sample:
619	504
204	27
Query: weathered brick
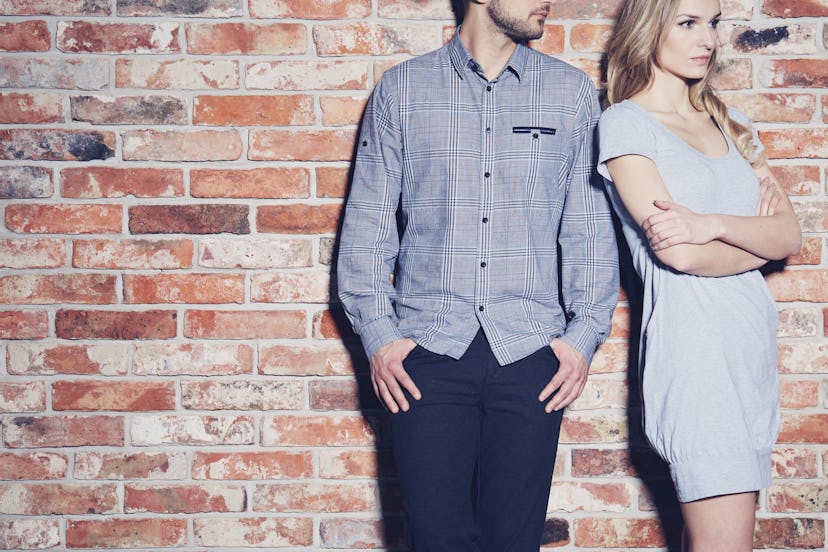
784	39
108	359
308	75
182	145
130	396
189	219
610	357
790	462
810	254
798	394
375	39
333	324
257	253
602	393
201	8
289	110
595	462
129	110
812	215
600	9
593	428
315	497
207	288
612	533
339	394
804	428
50	7
361	533
56	144
269	324
140	254
24	324
733	74
301	145
799	285
72	74
63	219
798	179
804	73
773	108
184	499
30	108
314	431
117	38
264	183
25	182
23	396
242	395
798	357
62	431
32	465
620	322
291	287
252	465
254	531
798	498
342	110
196	359
327	246
151	324
298	218
274	39
796	533
802	8
799	322
48	289
553	41
44	253
29	534
590	37
355	464
99	182
188	74
570	496
126	533
53	498
122	465
796	143
25	36
192	430
310	9
305	360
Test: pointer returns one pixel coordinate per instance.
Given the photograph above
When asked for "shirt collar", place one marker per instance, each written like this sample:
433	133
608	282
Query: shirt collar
462	60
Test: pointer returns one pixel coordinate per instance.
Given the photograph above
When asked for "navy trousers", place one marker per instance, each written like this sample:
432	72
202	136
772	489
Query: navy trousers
475	455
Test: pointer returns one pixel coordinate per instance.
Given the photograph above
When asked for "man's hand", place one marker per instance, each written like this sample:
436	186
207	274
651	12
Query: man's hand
570	379
388	374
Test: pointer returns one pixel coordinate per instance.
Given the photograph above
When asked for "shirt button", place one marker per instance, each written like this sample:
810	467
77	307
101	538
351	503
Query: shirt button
485	220
481	308
483	264
489	88
487	174
488	129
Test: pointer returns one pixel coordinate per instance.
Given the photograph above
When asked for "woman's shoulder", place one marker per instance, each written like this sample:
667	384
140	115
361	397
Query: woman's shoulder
622	113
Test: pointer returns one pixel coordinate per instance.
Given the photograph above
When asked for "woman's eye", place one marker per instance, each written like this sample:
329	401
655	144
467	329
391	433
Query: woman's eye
714	23
687	24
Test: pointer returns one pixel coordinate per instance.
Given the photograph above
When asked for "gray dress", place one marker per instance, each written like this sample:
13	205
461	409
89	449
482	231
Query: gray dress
708	345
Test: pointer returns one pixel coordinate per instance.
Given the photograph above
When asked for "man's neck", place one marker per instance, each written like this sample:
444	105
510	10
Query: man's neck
487	45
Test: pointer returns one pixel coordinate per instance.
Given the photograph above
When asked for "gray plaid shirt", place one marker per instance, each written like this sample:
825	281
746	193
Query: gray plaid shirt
489	178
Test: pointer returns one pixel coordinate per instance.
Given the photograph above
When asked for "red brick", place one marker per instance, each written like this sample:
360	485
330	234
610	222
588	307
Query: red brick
620	322
611	357
24	324
796	73
192	430
803	357
570	496
342	110
552	42
798	498
25	182
315	497
810	254
331	181
254	110
600	9
790	462
206	288
62	431
313	360
610	533
795	143
32	465
56	144
127	325
129	110
417	9
589	37
134	396
211	8
804	428
593	428
123	465
263	183
275	39
310	9
25	36
22	396
270	324
774	108
187	74
361	533
796	533
601	462
332	324
314	431
140	254
182	145
99	182
39	499
45	253
375	39
184	499
126	533
117	38
57	288
189	219
801	8
798	179
355	464
23	533
291	287
196	359
254	531
307	75
301	145
601	393
733	74
799	285
30	108
327	395
799	394
242	395
298	218
40	72
64	219
50	7
108	359
252	465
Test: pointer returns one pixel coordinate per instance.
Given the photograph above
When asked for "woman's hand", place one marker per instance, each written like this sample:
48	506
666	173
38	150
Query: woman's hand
676	224
769	199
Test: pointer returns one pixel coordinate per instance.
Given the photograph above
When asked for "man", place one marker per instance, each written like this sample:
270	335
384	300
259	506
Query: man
486	148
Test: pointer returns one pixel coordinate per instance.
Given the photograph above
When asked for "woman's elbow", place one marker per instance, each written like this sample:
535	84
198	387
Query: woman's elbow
678	258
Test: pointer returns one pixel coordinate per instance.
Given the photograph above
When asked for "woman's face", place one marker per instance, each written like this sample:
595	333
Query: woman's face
691	39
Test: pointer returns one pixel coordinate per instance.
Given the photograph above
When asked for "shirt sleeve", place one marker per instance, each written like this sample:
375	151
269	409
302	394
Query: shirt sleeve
589	254
621	132
369	241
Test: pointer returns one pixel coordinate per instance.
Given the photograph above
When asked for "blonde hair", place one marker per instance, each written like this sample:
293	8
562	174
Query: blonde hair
632	52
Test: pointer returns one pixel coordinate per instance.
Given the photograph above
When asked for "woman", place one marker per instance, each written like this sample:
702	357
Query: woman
701	213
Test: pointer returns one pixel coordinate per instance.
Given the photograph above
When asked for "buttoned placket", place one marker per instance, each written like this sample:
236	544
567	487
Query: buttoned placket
487	152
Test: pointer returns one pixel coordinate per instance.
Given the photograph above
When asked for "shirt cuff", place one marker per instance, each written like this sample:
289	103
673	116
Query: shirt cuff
582	338
377	334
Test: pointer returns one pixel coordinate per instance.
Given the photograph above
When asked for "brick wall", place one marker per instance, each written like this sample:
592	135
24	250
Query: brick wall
174	371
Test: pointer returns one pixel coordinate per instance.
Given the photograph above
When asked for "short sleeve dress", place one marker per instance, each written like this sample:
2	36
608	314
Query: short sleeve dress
708	345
